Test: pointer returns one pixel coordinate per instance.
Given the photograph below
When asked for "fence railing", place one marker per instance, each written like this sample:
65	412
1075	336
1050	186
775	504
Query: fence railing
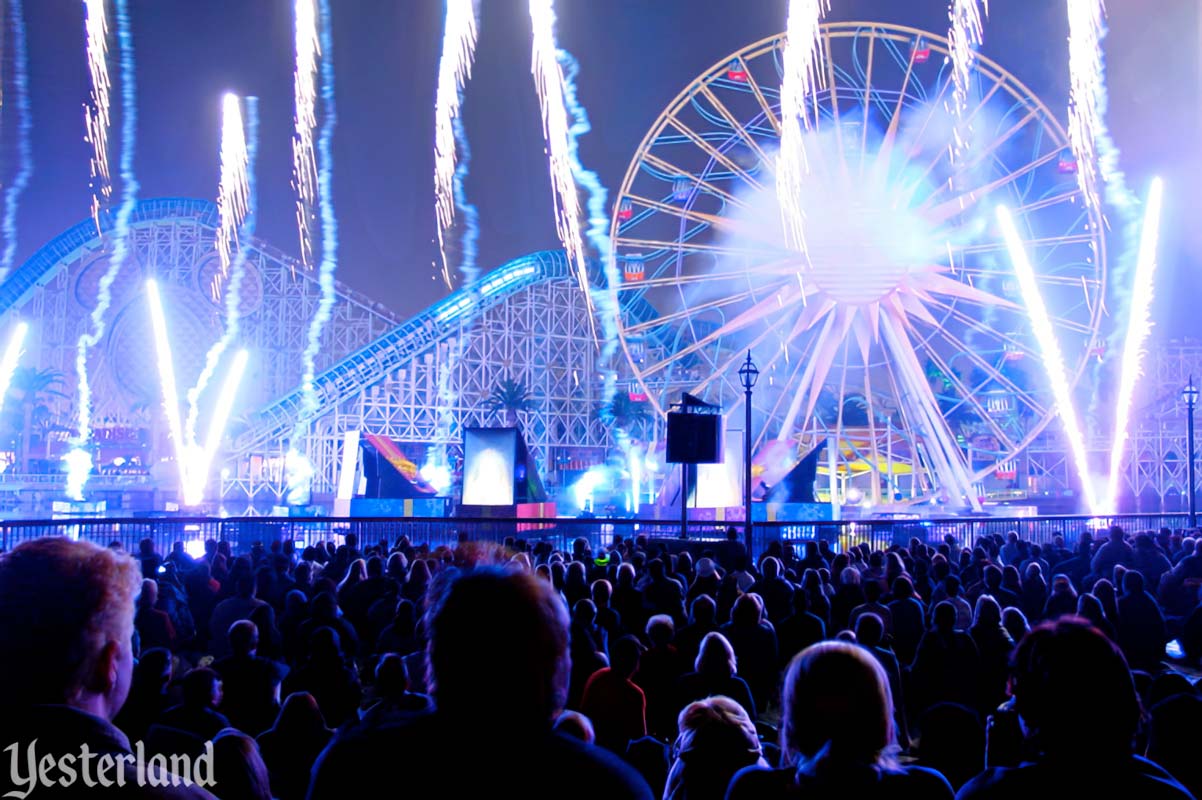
243	532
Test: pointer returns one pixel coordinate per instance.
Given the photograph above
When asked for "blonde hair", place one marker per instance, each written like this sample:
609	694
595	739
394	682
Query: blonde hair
75	597
837	694
715	655
714	713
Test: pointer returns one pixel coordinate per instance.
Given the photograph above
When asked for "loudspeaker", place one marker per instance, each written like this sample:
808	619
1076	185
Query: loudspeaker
694	438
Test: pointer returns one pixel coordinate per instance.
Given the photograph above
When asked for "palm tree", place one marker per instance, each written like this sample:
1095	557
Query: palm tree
624	414
508	398
28	387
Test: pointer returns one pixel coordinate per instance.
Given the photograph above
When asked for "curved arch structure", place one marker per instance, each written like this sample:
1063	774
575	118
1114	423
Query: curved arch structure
173	240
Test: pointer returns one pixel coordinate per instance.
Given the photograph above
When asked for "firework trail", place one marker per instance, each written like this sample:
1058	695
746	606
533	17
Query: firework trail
201	458
598	223
233	189
165	362
469	271
329	225
12	195
1049	346
803	75
77	476
12	355
304	159
1139	325
549	83
242	149
964	36
454	69
97	119
1097	157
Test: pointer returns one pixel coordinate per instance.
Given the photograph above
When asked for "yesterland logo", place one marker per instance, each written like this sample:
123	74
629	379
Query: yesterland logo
31	770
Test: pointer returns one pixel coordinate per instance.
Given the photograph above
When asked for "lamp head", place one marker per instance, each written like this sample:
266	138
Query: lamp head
1190	393
748	373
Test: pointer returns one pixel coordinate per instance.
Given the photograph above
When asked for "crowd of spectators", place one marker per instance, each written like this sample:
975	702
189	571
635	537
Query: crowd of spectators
647	668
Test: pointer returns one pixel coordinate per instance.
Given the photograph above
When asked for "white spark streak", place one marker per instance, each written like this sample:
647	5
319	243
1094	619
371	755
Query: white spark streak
803	75
1139	326
548	82
1053	358
454	69
304	158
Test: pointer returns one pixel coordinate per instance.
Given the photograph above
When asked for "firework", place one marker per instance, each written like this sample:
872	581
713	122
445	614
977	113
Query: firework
77	476
455	67
233	191
964	37
12	354
1053	359
304	158
1139	325
1095	151
12	195
803	75
197	474
598	226
329	224
549	83
165	362
97	116
242	149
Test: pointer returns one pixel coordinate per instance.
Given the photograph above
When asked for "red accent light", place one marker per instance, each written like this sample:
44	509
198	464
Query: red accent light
922	56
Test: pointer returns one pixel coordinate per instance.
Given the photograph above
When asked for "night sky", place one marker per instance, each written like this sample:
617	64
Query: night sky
635	56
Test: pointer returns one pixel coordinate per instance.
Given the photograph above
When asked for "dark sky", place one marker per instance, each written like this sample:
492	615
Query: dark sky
635	56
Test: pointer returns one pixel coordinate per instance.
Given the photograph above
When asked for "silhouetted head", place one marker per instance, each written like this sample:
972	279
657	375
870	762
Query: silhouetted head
238	768
243	637
495	628
944	617
1075	692
660	630
201	688
987	613
624	656
715	656
836	694
869	630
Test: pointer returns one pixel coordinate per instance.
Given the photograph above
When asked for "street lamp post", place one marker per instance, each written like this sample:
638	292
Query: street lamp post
1190	395
748	374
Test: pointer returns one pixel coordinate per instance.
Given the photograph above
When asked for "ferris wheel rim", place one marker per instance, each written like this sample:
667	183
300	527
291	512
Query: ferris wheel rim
1000	77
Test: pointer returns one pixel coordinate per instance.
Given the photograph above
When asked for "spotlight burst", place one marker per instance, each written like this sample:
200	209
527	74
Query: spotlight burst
165	362
803	76
455	67
12	354
1139	325
1053	358
197	474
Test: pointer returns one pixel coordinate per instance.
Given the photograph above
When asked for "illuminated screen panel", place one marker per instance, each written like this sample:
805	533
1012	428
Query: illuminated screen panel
489	461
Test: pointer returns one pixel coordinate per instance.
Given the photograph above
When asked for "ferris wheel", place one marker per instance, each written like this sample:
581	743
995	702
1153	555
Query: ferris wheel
898	338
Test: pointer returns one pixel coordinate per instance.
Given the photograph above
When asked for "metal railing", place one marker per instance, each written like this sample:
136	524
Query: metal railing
243	532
